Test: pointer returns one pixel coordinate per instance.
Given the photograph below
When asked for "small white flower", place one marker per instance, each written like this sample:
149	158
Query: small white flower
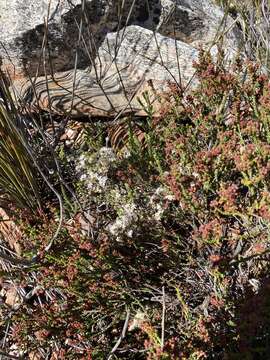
125	221
130	233
102	180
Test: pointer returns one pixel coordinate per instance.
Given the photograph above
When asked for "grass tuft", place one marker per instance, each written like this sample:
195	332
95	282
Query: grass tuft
18	184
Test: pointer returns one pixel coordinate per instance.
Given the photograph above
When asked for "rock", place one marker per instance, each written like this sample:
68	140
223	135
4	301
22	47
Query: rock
122	78
117	57
12	297
10	232
86	221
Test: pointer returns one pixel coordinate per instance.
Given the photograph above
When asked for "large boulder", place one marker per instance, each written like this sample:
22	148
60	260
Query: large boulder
119	76
96	57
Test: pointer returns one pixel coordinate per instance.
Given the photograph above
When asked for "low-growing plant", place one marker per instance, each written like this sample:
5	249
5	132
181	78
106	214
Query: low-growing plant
159	265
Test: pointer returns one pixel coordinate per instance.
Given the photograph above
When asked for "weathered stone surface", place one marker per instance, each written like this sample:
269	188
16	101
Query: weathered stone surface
141	63
12	297
10	232
116	53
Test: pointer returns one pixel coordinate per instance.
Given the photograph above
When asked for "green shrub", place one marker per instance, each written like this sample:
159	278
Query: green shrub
180	227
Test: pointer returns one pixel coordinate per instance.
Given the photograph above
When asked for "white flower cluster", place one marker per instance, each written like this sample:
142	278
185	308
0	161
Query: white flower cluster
130	213
93	169
131	207
125	221
156	202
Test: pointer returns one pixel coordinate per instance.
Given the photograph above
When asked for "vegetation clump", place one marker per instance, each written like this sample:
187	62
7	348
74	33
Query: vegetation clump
166	250
18	184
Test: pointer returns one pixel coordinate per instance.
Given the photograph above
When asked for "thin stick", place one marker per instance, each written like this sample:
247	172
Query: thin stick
121	337
76	56
163	318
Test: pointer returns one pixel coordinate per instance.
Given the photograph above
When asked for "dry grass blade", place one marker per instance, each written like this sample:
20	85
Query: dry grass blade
252	16
17	174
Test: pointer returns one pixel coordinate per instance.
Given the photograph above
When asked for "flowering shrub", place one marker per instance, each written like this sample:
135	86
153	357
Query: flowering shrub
178	234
